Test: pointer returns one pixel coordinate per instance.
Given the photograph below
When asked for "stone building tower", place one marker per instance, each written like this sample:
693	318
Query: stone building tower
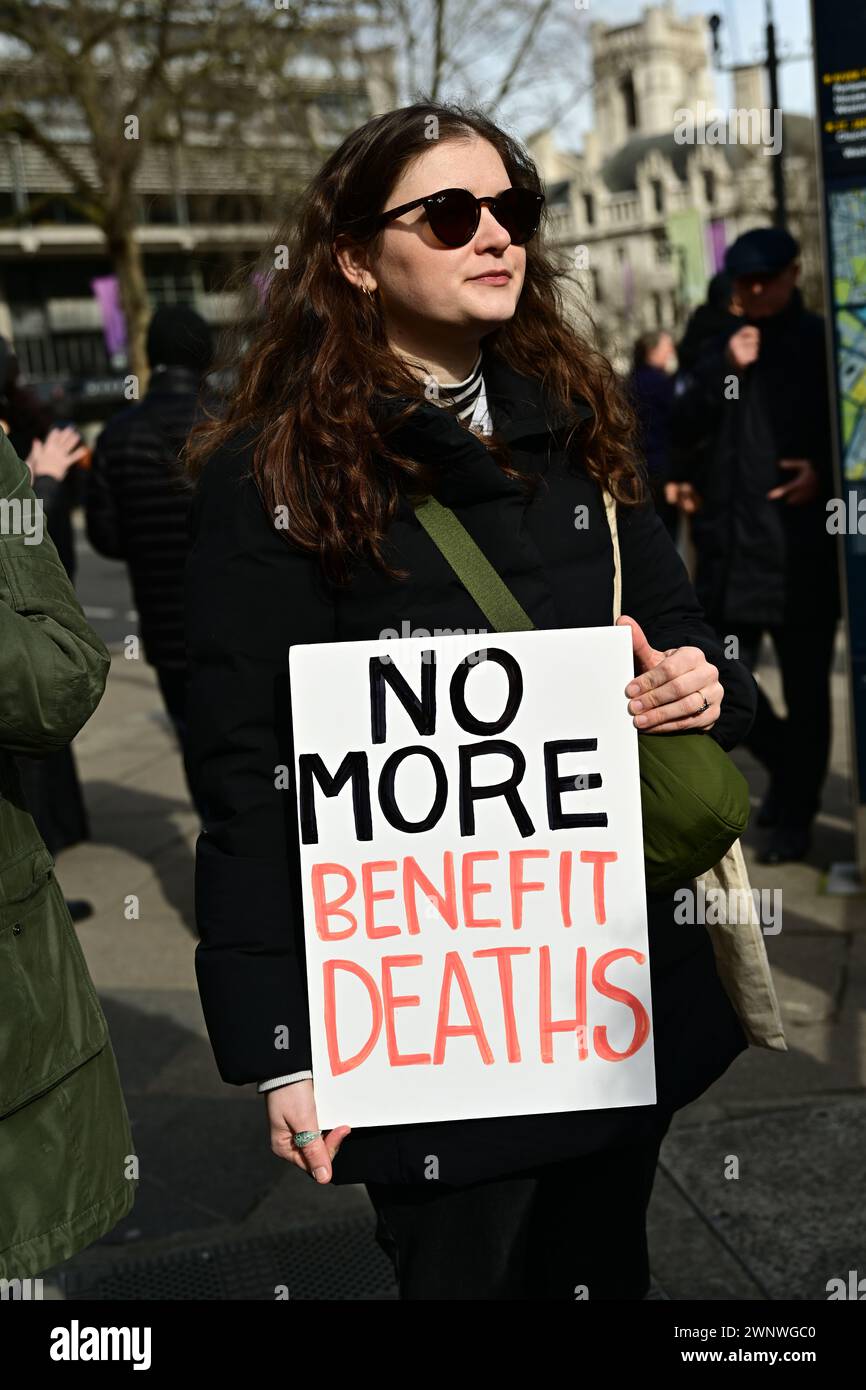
644	72
640	215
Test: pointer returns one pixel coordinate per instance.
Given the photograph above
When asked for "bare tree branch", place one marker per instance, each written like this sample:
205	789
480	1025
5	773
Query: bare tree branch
523	50
438	47
20	124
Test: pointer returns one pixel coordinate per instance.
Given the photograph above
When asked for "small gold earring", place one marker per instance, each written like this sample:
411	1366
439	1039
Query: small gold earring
366	290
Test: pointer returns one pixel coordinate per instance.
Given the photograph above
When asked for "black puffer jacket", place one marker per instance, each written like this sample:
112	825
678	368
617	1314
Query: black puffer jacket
138	503
250	596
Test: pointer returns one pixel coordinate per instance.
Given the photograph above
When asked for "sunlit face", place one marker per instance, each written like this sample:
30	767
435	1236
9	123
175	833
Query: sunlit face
430	291
760	296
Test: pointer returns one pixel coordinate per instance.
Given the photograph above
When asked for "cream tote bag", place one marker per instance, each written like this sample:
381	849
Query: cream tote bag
741	956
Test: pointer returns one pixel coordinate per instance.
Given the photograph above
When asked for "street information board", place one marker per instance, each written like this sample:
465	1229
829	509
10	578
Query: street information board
839	29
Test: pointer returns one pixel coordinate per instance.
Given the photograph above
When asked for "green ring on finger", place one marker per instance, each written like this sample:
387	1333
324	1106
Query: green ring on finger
305	1137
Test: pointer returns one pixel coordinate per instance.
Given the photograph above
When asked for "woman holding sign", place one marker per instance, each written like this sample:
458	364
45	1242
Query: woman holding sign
410	343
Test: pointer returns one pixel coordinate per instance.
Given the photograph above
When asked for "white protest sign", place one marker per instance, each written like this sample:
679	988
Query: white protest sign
473	879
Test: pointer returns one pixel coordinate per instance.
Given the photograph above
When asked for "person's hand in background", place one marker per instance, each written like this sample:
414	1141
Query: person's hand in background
744	347
803	487
291	1109
55	455
682	495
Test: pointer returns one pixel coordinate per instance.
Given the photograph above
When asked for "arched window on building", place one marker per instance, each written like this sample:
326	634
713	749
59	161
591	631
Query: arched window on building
629	99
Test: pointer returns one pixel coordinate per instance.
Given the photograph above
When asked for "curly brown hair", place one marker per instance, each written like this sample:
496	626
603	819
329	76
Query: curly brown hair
313	353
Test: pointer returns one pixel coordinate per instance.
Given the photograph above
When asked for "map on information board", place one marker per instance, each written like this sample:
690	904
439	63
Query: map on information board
848	217
848	230
851	332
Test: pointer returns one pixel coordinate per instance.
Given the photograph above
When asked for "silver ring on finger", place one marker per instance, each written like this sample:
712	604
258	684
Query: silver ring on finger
305	1137
705	705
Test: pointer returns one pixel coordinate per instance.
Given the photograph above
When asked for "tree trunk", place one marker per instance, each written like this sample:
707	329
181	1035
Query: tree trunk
126	257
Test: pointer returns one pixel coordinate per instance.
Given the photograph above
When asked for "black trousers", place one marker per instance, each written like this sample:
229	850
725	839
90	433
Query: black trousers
55	799
568	1230
795	750
173	682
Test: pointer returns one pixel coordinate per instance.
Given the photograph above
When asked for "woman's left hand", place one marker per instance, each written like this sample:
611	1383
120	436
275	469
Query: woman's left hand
669	689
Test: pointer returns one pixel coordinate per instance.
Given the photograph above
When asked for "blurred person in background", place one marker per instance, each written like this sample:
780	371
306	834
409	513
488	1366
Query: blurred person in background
711	321
51	784
25	418
138	495
719	314
753	420
50	453
652	390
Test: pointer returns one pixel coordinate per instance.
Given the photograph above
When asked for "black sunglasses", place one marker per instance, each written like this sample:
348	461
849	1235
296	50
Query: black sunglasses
454	214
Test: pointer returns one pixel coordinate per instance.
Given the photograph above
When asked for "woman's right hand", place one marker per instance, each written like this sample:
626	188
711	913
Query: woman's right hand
291	1109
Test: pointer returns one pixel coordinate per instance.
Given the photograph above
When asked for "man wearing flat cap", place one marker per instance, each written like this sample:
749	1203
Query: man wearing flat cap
752	423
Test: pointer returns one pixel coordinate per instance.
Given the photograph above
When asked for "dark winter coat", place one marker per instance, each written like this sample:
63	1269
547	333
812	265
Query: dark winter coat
250	596
66	1175
51	785
138	501
760	561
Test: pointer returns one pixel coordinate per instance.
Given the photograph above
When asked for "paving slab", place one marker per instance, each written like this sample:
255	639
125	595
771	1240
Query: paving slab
792	1217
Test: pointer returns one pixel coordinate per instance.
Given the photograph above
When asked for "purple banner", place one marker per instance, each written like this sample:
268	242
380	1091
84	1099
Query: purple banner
106	288
716	244
262	281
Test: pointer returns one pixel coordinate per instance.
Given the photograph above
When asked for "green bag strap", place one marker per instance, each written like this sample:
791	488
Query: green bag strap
479	577
473	568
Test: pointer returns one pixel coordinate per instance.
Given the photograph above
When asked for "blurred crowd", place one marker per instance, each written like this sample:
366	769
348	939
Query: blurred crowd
135	496
736	430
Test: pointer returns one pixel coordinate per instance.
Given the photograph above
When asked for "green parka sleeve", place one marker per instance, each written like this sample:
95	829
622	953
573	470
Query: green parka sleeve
53	667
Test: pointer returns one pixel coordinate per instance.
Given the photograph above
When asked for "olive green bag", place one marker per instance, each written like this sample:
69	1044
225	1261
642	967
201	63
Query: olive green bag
694	800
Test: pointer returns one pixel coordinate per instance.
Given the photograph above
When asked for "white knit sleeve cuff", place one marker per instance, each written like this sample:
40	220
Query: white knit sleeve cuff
284	1080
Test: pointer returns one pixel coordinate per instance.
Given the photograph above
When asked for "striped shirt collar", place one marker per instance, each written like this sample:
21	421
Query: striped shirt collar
462	396
467	399
515	404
